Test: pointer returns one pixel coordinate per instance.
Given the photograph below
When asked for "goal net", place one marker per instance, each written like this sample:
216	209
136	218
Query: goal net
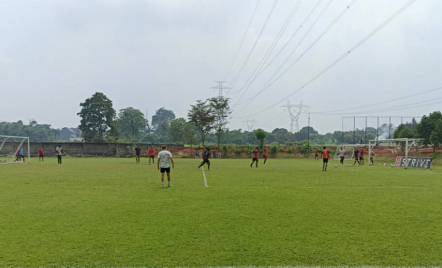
14	150
348	149
404	152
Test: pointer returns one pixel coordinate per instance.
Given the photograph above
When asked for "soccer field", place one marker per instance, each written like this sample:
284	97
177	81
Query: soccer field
113	212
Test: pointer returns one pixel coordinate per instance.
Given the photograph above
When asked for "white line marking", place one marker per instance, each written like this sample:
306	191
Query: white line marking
205	179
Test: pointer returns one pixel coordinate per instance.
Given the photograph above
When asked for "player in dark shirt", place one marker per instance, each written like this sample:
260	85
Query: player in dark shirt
356	154
206	157
137	153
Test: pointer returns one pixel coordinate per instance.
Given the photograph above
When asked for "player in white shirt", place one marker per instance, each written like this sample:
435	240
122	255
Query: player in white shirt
342	155
164	159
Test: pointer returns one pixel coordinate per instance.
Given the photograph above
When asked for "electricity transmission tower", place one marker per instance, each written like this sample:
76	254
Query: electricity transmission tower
250	124
220	87
295	111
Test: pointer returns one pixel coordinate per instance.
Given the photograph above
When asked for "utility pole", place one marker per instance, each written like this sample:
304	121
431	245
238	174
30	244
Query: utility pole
250	124
295	111
220	87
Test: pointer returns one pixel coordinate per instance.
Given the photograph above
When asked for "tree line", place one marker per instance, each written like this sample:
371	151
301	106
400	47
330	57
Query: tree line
206	123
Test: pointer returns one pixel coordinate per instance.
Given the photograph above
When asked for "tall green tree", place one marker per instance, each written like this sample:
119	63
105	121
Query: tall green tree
98	118
163	131
304	132
427	125
260	135
162	115
177	128
190	136
221	110
436	135
131	123
201	116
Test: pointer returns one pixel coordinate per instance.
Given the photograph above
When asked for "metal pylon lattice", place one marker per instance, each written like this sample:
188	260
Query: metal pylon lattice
295	111
220	87
250	124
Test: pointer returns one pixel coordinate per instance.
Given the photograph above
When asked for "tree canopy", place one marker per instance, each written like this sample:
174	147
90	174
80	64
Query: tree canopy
98	118
131	123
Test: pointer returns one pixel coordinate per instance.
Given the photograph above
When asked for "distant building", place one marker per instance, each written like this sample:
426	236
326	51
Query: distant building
68	133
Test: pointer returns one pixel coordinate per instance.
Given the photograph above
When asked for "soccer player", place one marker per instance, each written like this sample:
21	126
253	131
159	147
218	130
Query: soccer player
152	155
59	152
371	157
197	154
361	156
316	154
206	157
17	155
356	154
325	156
255	157
21	155
165	157
264	154
41	154
342	155
137	153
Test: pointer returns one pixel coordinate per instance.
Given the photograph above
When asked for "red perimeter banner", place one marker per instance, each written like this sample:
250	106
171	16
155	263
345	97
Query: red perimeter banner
415	162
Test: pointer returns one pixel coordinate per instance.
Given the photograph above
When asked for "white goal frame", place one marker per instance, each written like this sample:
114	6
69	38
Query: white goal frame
22	140
409	142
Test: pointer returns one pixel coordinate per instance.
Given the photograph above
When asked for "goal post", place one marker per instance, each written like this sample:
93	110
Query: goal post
10	147
406	143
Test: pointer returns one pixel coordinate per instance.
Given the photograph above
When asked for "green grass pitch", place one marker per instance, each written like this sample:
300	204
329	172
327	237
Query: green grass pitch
113	212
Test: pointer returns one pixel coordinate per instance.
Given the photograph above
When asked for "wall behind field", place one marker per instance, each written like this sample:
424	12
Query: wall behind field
80	149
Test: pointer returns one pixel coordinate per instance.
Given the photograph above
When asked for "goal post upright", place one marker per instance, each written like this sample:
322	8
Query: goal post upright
29	151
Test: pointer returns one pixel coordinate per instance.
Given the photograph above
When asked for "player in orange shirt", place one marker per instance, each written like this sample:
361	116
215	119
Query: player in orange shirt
255	157
264	154
324	159
152	155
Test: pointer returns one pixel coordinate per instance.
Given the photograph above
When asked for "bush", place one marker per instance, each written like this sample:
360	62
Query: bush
225	150
290	150
237	150
274	150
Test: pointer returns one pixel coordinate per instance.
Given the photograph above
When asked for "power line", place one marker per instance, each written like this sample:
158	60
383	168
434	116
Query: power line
293	50
378	103
254	45
399	107
243	38
362	41
271	81
273	45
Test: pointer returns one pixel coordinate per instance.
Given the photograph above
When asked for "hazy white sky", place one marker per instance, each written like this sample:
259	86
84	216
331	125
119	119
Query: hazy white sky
150	54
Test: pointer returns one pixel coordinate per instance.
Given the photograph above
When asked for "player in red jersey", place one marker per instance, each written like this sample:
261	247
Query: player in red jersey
361	156
264	154
255	157
324	159
41	154
152	155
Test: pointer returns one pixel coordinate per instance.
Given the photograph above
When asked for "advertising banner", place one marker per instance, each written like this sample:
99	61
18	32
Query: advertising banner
414	162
